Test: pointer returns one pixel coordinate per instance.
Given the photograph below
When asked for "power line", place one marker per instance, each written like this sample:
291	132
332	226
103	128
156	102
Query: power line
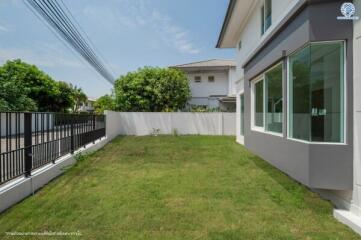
56	17
86	35
57	20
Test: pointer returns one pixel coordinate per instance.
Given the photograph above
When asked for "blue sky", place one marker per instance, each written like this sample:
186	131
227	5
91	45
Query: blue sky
128	33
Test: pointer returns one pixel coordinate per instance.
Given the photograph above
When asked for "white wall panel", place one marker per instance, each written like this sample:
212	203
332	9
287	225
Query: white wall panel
142	124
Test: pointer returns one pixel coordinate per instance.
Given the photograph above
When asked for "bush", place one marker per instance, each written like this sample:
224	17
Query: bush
103	103
152	90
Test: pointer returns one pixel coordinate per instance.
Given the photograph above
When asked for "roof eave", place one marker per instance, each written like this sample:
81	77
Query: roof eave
230	9
205	68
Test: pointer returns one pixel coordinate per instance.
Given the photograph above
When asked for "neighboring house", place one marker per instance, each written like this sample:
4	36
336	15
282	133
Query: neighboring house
212	83
88	106
298	92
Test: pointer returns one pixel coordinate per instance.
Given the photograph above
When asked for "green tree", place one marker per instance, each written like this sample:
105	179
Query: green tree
65	99
39	86
24	87
14	97
103	103
152	90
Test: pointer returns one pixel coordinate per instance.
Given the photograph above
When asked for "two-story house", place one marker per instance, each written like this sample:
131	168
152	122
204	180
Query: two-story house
212	83
298	70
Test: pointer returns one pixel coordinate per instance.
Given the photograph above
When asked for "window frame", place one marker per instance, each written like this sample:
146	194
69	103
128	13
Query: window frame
259	78
264	27
196	80
213	80
344	120
253	102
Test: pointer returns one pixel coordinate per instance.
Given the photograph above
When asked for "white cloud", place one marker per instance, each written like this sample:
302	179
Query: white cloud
140	14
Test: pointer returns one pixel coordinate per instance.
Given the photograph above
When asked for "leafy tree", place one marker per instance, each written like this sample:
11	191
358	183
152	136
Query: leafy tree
13	97
65	98
24	87
152	90
103	103
37	85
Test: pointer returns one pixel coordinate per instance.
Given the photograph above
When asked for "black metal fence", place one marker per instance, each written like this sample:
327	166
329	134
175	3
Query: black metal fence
32	140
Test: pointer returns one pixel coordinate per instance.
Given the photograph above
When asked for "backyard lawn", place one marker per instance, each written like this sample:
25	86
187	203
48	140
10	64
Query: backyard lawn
174	187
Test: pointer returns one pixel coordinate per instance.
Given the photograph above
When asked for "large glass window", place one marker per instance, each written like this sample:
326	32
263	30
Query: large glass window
274	100
242	114
268	100
258	105
316	93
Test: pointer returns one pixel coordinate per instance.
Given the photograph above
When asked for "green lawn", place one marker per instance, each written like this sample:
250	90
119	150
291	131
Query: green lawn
173	187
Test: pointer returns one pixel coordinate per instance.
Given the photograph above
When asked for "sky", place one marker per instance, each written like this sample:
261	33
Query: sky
128	34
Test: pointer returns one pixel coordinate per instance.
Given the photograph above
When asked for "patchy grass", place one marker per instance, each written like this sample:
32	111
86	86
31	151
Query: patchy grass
173	187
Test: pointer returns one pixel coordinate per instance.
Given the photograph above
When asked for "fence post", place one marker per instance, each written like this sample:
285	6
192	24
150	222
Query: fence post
93	129
72	147
28	143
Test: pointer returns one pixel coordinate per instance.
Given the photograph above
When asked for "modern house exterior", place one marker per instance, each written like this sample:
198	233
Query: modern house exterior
212	83
298	85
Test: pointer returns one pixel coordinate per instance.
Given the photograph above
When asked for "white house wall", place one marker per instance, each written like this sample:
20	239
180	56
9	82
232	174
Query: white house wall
239	90
251	33
232	88
251	37
201	91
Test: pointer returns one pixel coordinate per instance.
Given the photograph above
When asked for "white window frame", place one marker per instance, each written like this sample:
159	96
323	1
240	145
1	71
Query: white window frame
263	17
344	96
253	100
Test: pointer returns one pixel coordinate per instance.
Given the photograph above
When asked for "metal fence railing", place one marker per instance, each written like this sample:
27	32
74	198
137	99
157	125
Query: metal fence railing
32	140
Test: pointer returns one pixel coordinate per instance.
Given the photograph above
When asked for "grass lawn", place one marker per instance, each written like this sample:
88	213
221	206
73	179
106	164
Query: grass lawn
169	187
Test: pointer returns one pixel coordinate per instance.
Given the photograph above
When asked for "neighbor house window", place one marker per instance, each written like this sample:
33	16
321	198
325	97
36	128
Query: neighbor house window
242	114
316	93
197	79
266	15
211	79
268	100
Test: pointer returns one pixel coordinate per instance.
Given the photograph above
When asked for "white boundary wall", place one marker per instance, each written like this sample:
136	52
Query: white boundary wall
146	123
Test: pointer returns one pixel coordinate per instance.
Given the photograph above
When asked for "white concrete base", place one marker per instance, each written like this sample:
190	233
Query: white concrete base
240	139
348	218
22	187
